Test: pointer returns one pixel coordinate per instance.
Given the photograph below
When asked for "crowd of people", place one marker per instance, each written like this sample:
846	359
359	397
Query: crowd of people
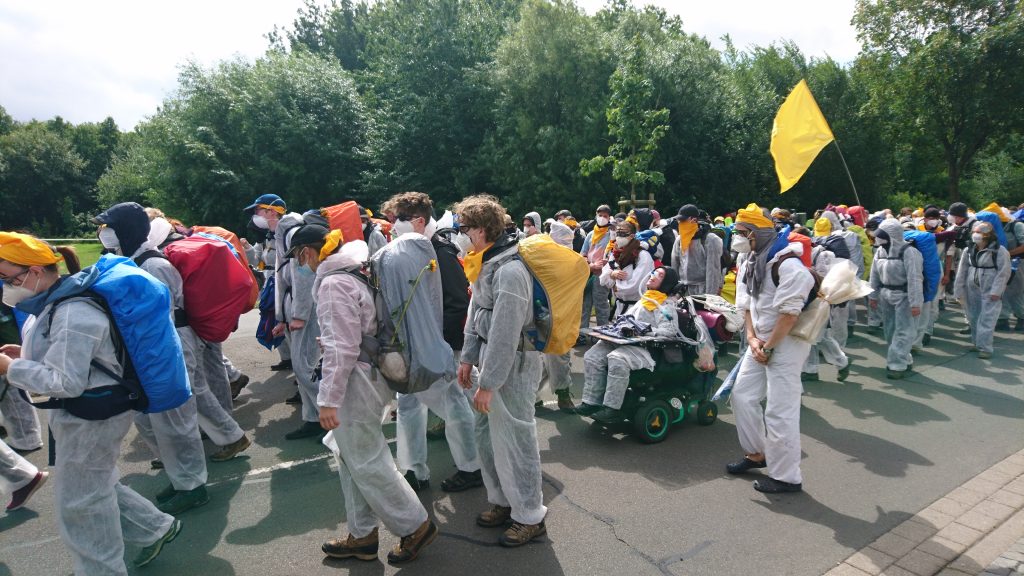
464	319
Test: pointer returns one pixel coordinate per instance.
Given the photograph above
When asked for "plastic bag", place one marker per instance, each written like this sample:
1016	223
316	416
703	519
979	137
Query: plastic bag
839	286
725	390
705	361
812	322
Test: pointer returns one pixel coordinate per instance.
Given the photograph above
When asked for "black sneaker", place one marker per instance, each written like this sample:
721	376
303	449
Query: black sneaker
743	466
585	409
415	482
184	500
236	387
462	481
773	486
149	553
926	340
307	430
297	399
1003	324
282	365
844	373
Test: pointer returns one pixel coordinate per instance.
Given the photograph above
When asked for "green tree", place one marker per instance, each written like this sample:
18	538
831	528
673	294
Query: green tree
950	70
335	29
635	127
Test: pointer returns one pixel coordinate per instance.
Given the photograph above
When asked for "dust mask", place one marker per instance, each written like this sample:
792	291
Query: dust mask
401	227
741	244
109	238
13	295
260	222
601	221
977	237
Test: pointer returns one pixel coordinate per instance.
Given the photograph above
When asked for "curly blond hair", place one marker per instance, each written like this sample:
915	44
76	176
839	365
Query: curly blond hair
482	211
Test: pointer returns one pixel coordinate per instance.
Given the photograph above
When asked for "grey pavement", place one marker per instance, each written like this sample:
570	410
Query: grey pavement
877	453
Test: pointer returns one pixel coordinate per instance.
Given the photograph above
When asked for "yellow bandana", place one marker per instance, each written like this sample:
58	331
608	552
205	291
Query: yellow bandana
686	232
752	215
331	242
473	262
278	209
599	233
26	250
652	299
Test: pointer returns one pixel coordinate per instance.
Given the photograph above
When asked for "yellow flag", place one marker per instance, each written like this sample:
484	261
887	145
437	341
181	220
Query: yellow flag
798	134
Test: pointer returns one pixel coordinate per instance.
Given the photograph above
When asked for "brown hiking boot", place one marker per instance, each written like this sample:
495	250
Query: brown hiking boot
231	450
364	548
519	534
495	517
409	547
565	403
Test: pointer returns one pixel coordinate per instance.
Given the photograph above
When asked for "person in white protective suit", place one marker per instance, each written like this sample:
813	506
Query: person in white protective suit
628	268
18	477
822	261
770	437
96	514
897	278
414	215
1013	297
555	370
499	312
351	399
265	213
172	435
606	366
980	282
844	317
697	254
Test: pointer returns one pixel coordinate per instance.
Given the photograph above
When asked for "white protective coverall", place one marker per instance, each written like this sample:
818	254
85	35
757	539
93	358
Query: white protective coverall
506	437
606	366
899	286
265	253
700	265
628	291
295	289
15	471
842	316
822	260
95	512
173	435
20	420
981	274
445	398
775	430
371	485
1013	297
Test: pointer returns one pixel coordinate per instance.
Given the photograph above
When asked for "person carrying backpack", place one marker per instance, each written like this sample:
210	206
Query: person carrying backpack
856	256
697	254
266	212
351	399
1013	297
500	312
980	282
74	334
770	437
897	278
822	260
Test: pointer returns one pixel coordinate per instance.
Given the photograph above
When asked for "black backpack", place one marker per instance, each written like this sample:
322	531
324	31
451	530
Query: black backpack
834	244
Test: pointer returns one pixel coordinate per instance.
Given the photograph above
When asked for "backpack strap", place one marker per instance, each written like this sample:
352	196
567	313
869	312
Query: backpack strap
778	264
369	347
148	255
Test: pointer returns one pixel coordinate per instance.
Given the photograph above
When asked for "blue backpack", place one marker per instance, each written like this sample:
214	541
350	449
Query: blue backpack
925	244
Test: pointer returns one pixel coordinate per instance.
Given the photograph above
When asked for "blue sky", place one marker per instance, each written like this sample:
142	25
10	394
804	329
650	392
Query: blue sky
85	61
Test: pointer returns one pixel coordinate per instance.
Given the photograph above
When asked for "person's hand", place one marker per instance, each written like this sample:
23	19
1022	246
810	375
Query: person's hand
278	329
482	400
620	275
296	325
874	304
758	353
915	311
328	418
464	375
245	244
994	297
12	350
944	280
754	342
5	363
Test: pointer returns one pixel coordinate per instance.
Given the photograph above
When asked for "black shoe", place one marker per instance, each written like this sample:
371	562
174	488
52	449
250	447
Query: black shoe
808	376
1020	325
773	486
462	481
582	341
307	430
297	399
585	409
415	482
744	465
850	330
965	330
26	451
608	415
282	365
926	340
844	373
156	464
236	387
895	374
1003	324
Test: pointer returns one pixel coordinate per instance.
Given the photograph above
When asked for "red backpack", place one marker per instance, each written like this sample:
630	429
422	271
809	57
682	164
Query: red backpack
218	287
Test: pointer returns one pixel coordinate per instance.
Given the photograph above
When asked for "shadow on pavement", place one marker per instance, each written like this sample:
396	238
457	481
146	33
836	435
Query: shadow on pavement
847	530
878	455
865	403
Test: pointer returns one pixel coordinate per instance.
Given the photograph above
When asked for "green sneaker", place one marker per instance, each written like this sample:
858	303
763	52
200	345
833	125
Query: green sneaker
184	500
149	553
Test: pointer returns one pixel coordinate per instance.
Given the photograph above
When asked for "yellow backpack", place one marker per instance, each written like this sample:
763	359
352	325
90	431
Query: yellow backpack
559	279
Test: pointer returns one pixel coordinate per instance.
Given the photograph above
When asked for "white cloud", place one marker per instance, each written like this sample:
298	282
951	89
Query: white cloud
85	61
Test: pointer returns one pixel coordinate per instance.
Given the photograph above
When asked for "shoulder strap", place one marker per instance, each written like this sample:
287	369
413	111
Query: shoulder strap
778	264
147	255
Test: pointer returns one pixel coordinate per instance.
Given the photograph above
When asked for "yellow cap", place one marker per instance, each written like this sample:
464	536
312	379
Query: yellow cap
754	216
26	250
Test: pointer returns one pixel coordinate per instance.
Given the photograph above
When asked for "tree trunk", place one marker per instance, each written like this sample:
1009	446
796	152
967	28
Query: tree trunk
954	181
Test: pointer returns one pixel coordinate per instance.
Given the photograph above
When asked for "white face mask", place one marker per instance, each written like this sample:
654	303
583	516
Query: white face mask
109	238
401	227
933	223
601	221
977	237
13	295
431	228
741	244
260	222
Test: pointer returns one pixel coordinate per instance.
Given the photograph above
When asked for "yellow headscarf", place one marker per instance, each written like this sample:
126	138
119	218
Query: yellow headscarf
599	232
822	227
753	215
652	299
331	242
686	232
278	209
26	250
473	262
995	209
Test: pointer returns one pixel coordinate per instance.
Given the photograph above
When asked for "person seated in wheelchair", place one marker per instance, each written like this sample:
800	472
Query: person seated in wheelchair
606	366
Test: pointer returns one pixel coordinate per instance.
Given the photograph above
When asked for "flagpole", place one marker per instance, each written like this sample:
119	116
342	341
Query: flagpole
847	168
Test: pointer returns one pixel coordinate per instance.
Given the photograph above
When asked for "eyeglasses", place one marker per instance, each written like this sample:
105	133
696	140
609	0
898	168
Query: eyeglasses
745	233
11	279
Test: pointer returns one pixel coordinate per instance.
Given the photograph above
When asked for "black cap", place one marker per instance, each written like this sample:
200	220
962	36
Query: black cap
958	209
306	234
932	212
689	211
563	213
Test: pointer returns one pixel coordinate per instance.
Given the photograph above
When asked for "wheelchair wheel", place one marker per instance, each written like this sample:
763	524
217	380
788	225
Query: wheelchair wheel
707	413
652	421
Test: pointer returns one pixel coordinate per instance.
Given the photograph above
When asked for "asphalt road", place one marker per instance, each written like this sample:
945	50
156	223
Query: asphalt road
875	452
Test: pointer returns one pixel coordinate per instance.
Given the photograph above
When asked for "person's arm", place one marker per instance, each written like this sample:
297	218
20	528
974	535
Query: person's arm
303	307
455	295
606	276
513	288
341	303
960	285
1017	230
471	340
634	284
1003	271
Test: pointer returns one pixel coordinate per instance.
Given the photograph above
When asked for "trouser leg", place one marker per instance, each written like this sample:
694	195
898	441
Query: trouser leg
984	313
621	362
173	436
15	471
1013	296
602	306
595	373
233	373
305	355
211	416
811	362
21	421
216	376
411	436
447	400
839	323
782	411
900	331
588	304
747	393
